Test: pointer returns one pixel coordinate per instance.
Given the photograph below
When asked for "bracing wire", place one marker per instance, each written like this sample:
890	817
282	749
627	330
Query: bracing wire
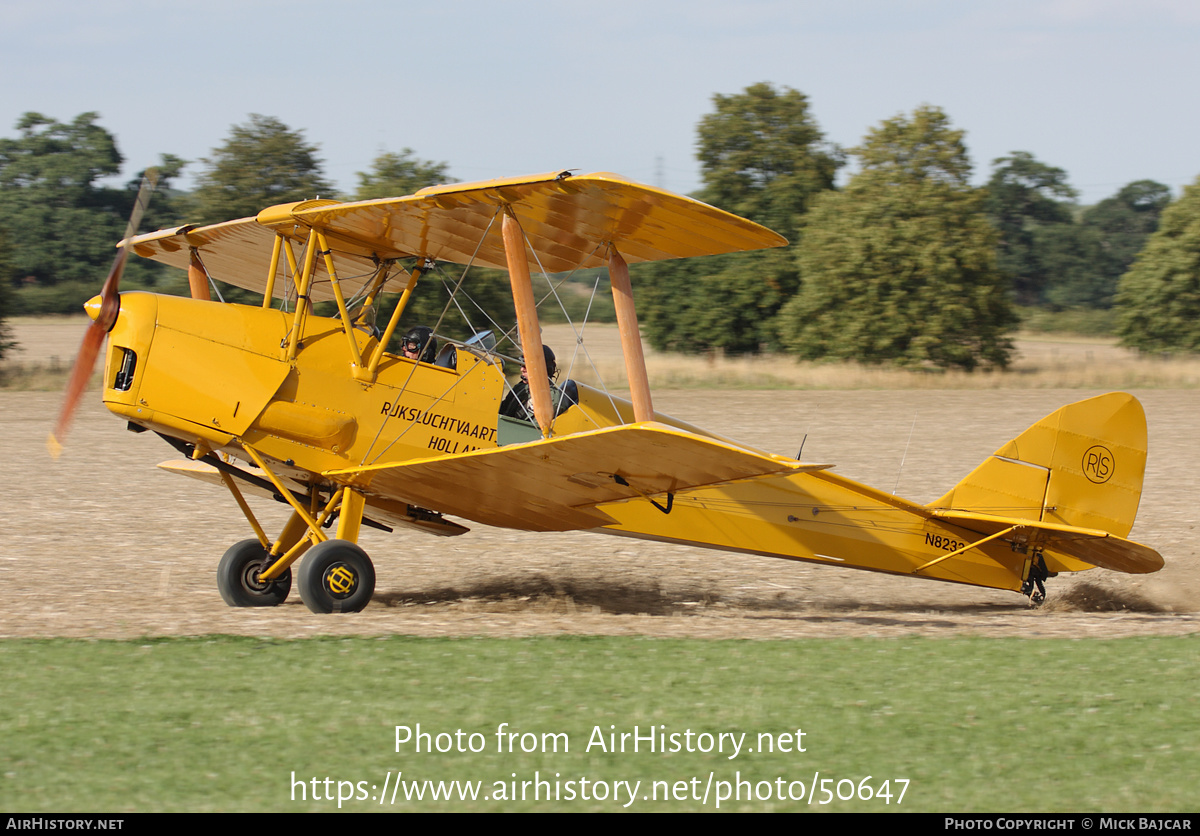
905	456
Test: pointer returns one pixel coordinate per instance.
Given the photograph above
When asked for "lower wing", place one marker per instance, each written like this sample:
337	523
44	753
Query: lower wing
554	484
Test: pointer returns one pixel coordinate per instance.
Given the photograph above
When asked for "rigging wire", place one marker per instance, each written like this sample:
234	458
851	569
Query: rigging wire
905	456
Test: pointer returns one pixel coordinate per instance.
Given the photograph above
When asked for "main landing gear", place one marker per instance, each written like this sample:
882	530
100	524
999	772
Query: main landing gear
335	575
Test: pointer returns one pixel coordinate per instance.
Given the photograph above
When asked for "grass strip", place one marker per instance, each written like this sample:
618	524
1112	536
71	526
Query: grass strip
228	723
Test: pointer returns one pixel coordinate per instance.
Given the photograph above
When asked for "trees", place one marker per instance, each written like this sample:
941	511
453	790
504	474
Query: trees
1053	259
59	220
1109	236
1070	257
900	266
396	175
762	156
483	290
263	162
61	223
1159	298
1026	197
1128	218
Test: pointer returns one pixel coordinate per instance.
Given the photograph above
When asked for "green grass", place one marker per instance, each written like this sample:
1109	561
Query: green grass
975	725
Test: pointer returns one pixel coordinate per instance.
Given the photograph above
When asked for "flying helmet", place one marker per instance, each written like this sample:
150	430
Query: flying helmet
420	338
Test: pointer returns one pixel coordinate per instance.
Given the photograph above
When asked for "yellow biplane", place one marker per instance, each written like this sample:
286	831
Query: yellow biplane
314	411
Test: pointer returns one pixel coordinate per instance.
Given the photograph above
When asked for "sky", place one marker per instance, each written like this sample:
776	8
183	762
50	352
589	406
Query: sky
1104	89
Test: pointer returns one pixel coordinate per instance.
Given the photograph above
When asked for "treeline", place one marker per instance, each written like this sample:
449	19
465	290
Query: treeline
906	263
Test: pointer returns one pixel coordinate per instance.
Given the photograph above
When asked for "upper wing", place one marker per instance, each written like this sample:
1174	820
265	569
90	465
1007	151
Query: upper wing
1089	545
239	253
568	221
554	484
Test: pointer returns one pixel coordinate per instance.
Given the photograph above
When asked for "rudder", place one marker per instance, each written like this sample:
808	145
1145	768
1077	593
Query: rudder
1081	465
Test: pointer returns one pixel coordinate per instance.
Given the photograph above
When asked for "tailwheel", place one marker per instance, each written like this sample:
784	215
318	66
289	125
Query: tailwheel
237	577
336	576
1034	586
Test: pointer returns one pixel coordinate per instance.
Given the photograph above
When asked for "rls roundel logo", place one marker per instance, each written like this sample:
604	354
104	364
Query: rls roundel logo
1098	464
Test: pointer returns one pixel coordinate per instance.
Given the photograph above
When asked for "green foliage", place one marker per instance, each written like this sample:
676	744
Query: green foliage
485	302
1082	261
61	298
262	163
900	267
397	175
1025	196
1107	238
763	157
61	223
1159	298
724	303
1072	258
1054	259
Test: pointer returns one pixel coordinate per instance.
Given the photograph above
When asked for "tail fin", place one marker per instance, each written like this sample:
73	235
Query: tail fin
1079	466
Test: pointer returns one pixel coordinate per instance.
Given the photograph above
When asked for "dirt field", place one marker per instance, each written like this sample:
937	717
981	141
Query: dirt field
101	544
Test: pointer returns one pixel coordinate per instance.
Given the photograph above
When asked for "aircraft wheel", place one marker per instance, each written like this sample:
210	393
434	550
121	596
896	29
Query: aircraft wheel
237	577
336	576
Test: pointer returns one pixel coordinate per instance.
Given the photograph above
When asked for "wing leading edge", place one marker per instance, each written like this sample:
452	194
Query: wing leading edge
554	484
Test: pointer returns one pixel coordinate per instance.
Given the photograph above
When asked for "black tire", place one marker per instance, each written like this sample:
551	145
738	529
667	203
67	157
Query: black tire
237	577
336	576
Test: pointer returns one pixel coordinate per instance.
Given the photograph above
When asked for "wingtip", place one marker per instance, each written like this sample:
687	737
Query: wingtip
53	446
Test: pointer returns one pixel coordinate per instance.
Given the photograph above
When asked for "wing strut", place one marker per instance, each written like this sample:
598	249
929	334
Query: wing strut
967	548
527	321
197	277
373	367
631	337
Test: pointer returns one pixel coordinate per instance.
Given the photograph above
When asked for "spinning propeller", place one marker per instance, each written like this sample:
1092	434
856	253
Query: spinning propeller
104	316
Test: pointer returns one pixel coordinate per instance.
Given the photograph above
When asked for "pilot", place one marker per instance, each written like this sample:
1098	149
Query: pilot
518	403
419	344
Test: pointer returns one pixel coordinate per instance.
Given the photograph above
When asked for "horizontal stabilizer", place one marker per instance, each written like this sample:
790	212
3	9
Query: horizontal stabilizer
554	484
1089	545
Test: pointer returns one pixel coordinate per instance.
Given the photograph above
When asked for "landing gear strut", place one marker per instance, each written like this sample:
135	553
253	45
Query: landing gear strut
1034	586
335	576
